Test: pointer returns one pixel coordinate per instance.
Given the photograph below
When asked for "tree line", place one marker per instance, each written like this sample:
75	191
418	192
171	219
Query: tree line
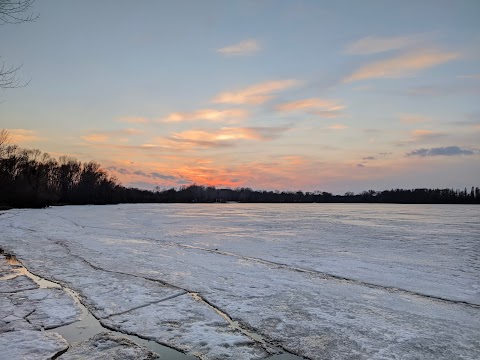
30	178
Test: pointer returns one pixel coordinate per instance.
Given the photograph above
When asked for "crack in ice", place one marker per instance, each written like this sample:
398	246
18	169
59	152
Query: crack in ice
147	304
43	282
327	276
267	345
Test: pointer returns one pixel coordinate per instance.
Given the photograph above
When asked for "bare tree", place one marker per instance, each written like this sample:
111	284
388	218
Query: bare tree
14	12
4	141
9	78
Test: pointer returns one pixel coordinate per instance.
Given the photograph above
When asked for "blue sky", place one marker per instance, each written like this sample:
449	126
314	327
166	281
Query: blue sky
312	95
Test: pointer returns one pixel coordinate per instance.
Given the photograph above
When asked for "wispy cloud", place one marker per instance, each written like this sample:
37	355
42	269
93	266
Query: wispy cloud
471	120
102	136
18	136
421	133
207	114
140	173
256	94
441	151
327	106
95	137
403	65
246	47
225	137
374	44
119	170
413	118
156	175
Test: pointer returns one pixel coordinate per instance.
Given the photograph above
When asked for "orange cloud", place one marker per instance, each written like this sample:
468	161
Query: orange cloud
246	47
18	136
207	114
374	44
226	136
256	94
403	65
284	172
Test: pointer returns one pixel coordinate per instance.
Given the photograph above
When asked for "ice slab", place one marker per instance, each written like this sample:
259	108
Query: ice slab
39	308
11	279
31	345
16	284
23	305
105	346
190	326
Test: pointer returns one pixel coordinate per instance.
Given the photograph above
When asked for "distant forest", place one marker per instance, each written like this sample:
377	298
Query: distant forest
30	178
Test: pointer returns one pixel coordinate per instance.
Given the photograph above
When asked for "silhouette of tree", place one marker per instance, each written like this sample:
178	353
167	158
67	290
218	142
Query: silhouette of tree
30	178
4	141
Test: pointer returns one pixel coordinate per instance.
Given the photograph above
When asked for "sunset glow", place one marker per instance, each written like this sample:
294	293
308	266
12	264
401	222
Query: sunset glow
310	95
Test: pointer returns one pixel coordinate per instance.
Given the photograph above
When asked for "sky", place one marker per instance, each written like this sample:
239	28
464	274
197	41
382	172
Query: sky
281	95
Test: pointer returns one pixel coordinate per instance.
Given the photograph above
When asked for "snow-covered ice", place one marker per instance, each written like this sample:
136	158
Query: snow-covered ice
30	345
105	346
325	281
191	326
23	305
25	310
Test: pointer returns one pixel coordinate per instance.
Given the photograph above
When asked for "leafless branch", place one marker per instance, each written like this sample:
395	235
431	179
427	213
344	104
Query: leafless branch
9	78
16	11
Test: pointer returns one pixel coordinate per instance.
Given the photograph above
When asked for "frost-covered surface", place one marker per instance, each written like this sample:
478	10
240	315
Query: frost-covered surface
268	266
30	345
104	346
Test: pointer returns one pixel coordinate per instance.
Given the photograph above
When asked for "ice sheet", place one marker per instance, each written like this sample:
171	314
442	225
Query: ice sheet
278	270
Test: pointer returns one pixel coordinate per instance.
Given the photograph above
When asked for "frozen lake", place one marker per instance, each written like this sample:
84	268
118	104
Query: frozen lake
322	281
